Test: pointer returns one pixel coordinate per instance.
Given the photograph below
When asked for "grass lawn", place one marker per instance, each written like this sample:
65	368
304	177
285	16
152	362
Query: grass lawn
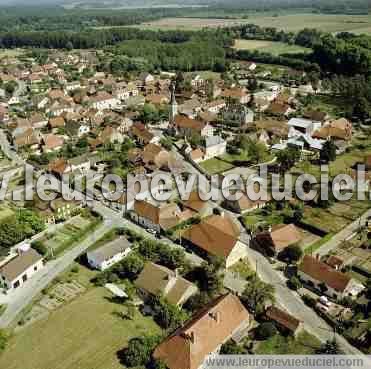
316	245
85	334
257	217
243	268
216	166
275	48
303	344
5	212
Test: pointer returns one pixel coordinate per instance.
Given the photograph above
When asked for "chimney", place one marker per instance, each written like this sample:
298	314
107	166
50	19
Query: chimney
216	316
317	257
192	337
176	272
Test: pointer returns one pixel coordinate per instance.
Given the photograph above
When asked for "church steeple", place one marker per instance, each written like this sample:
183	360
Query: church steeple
173	105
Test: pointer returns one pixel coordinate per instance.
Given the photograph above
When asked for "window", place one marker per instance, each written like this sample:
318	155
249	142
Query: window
35	268
16	284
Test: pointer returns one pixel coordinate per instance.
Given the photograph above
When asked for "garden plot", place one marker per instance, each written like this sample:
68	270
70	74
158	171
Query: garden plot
54	299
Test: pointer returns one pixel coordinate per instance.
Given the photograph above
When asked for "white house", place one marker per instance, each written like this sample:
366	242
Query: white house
304	126
147	78
14	100
215	146
109	254
197	81
103	100
125	91
17	271
72	86
215	106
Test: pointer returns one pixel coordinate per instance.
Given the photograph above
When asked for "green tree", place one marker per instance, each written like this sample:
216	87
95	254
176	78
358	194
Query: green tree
266	330
139	350
3	340
149	114
10	87
232	348
292	253
294	283
39	247
287	158
328	152
256	151
130	267
257	295
329	348
361	109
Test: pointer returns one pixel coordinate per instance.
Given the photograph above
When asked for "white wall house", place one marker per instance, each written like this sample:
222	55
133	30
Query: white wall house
304	126
215	146
109	254
16	272
104	100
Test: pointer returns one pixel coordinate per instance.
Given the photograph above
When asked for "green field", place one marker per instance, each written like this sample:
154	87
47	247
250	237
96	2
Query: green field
275	48
84	334
216	166
291	22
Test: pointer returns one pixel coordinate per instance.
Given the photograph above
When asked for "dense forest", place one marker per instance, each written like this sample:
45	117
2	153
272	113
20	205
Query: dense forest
344	53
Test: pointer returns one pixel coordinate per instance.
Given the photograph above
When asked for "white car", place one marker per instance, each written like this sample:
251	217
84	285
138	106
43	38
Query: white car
324	301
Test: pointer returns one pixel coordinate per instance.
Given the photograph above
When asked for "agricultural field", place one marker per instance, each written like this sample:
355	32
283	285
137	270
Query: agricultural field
86	333
292	22
10	53
271	47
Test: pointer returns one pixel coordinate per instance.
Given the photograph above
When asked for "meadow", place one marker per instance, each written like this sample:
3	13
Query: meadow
271	47
291	22
86	333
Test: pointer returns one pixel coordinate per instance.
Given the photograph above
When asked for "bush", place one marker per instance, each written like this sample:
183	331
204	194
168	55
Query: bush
39	247
139	350
308	300
266	330
294	283
3	340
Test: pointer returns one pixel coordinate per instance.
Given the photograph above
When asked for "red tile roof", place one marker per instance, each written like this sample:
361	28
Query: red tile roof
188	347
321	272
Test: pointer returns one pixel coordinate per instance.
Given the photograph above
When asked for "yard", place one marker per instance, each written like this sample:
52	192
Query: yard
216	166
86	333
271	47
303	344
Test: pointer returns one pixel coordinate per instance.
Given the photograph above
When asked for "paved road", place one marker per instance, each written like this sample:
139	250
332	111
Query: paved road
286	298
343	235
293	303
6	149
17	300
